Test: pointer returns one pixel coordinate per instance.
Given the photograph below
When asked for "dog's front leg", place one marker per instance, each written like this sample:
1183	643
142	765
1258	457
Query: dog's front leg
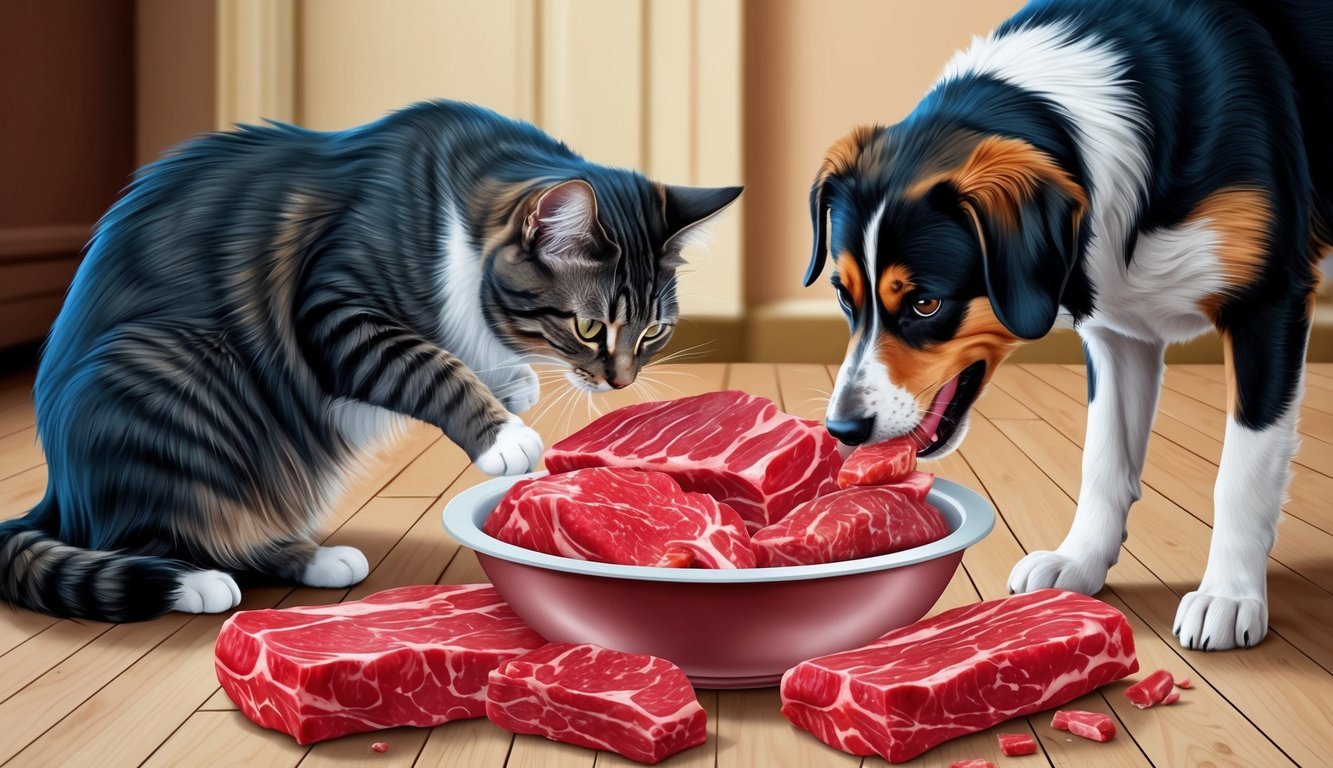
1124	379
1230	608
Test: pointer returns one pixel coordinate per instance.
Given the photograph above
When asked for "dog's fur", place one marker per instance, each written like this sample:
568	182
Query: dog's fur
1145	169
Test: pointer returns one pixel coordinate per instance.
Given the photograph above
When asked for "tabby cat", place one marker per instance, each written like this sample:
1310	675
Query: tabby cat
263	306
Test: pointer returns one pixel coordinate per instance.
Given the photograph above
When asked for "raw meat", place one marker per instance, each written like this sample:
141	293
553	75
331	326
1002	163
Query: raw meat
626	516
849	524
1171	698
638	706
738	448
407	656
1016	744
1094	726
1184	682
973	763
959	672
1151	689
915	486
878	464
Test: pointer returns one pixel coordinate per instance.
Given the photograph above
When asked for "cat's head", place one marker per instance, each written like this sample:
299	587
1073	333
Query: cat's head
584	270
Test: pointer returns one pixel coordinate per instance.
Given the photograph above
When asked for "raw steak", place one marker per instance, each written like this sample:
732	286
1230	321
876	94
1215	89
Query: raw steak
625	516
638	706
849	524
738	448
915	486
878	464
407	656
959	672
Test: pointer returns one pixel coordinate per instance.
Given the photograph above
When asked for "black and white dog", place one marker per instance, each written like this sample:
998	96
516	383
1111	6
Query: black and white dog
1146	170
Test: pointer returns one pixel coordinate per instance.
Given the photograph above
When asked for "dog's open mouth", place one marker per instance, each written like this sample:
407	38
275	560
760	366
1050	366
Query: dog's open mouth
948	409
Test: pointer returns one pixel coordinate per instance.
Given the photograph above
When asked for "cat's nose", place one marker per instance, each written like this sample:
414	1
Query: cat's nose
619	383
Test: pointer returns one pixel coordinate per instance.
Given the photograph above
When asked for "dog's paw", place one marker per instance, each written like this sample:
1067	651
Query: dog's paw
335	567
205	592
522	392
1042	570
516	450
1212	622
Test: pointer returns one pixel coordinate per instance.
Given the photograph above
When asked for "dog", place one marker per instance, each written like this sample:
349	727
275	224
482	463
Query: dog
1143	170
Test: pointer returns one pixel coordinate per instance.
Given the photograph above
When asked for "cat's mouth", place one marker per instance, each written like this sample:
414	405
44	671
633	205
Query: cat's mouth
586	381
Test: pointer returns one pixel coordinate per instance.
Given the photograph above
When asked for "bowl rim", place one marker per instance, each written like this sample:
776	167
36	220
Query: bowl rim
464	513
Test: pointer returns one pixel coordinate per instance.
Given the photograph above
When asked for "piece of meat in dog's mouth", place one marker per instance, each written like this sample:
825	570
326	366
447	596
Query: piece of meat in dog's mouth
948	409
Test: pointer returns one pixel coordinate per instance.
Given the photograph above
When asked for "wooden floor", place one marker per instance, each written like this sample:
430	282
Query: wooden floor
82	694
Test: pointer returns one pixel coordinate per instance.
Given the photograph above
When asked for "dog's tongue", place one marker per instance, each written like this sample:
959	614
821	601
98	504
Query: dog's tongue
925	432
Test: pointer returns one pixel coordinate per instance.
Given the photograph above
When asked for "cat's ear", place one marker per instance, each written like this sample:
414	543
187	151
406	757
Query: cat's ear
685	208
562	224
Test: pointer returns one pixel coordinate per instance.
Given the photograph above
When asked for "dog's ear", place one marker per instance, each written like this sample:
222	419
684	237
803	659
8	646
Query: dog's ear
840	158
1026	211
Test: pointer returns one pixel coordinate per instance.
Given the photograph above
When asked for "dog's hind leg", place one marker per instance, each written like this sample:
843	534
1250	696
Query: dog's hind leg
1265	380
1124	379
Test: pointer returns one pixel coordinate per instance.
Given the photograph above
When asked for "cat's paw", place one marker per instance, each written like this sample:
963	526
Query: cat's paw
205	592
335	567
516	450
522	392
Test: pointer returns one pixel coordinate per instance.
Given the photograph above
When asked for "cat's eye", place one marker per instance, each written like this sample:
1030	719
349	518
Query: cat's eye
926	307
588	330
653	331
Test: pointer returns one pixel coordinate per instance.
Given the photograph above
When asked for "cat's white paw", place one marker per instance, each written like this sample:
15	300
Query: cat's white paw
205	592
517	450
1042	570
522	392
335	567
1212	622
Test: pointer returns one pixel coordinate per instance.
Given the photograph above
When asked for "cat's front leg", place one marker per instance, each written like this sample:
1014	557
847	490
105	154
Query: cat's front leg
519	389
368	357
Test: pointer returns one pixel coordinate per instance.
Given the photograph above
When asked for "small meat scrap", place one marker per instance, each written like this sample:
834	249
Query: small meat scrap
380	746
1151	690
975	762
1093	726
1015	744
638	706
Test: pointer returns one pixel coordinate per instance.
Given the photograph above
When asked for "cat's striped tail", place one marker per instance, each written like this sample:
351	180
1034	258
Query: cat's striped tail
43	574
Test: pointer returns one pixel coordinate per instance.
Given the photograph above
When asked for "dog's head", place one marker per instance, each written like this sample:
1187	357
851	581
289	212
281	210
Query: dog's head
949	249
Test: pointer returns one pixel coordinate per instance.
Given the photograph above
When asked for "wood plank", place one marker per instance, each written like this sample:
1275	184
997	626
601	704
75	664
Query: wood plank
1187	479
1174	544
404	746
752	731
1308	493
224	740
20	452
21	492
804	390
1038	512
467	743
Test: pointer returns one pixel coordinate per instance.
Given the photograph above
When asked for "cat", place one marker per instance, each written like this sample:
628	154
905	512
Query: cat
262	307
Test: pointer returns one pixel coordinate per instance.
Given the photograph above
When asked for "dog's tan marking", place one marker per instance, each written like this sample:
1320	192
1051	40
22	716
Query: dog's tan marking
1000	175
1242	219
893	285
1229	367
849	274
846	151
923	371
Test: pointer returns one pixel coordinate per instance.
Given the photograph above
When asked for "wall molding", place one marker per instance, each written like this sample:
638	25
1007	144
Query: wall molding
256	55
46	240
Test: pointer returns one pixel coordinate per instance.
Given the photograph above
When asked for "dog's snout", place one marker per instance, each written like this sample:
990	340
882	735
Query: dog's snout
851	431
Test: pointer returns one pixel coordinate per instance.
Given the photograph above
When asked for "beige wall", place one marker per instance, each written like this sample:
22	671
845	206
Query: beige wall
812	71
175	67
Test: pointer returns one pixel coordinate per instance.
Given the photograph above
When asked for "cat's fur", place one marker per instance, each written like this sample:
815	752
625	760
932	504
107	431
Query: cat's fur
262	306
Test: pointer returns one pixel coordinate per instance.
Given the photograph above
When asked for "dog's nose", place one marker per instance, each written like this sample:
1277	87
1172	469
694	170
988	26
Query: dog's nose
851	431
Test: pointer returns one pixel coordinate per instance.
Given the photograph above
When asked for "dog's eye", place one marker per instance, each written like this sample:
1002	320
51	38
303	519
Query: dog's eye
926	307
844	300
